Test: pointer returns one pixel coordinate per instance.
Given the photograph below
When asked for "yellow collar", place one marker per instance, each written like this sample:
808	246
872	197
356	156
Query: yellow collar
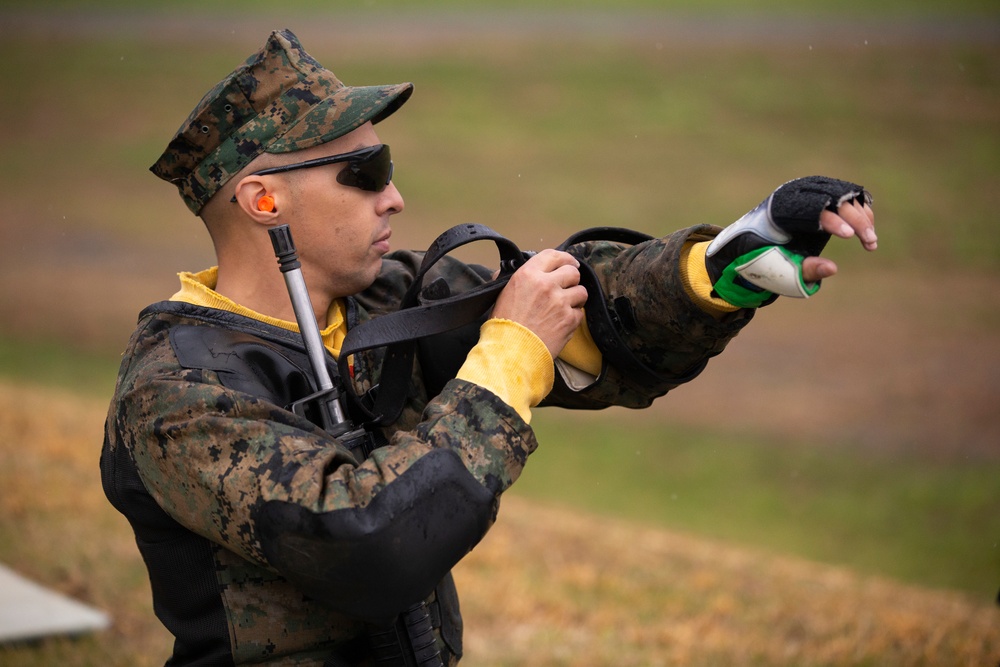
199	289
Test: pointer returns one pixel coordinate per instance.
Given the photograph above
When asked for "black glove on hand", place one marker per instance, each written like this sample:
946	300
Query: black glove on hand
760	255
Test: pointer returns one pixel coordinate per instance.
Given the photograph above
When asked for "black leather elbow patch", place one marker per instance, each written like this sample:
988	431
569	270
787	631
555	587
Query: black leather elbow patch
372	563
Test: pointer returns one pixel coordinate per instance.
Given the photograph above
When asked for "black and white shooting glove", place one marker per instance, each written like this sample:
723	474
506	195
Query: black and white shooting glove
760	255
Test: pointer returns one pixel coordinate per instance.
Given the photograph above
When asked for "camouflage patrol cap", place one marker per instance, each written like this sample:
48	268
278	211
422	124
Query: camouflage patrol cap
280	100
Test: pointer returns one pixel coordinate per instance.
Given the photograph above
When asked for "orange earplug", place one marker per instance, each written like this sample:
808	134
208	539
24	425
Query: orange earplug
266	203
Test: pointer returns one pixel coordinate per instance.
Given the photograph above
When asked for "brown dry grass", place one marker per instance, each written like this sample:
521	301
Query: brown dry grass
554	587
57	528
548	586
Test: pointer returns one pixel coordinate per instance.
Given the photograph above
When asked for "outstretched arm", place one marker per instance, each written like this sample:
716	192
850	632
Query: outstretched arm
678	300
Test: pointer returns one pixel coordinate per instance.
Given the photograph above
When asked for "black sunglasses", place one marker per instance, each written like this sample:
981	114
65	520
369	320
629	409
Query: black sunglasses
368	168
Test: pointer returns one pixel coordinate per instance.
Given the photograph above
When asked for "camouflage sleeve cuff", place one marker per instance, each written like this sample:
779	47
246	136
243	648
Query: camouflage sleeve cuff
513	363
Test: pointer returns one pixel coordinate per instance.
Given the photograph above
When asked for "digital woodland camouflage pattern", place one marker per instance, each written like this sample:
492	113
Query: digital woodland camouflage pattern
280	100
209	455
669	332
664	329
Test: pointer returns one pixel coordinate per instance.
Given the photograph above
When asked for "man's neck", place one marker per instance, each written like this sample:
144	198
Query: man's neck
267	294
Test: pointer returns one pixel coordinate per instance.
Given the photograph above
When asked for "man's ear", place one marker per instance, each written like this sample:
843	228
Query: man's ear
256	202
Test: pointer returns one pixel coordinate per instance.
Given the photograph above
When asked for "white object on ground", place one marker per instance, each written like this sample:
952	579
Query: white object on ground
30	611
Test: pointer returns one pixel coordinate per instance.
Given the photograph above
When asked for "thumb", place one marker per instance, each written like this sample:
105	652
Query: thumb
815	269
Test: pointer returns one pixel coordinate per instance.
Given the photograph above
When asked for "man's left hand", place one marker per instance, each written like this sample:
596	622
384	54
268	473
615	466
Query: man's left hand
774	249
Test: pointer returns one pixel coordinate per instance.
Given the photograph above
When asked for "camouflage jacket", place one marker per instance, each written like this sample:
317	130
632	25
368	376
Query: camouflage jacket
266	540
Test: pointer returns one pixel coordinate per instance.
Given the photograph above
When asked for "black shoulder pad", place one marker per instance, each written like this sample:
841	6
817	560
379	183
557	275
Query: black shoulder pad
244	362
373	562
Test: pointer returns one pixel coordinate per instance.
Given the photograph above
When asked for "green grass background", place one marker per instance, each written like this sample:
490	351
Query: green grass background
932	525
539	137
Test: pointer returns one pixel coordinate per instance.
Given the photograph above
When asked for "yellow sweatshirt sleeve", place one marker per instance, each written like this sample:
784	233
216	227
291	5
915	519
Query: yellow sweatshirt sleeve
513	363
581	351
697	284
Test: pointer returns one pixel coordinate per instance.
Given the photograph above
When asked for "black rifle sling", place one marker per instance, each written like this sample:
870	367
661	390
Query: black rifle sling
399	331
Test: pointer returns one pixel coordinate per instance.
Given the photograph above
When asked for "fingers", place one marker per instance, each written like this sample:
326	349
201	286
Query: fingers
567	276
851	219
562	268
564	271
549	260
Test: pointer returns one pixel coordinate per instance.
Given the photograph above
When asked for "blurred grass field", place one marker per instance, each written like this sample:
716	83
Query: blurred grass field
859	429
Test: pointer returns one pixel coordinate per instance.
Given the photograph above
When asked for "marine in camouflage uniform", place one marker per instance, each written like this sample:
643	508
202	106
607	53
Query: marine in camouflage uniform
266	540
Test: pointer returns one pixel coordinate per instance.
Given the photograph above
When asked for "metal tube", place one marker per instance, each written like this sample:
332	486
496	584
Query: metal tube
307	326
284	250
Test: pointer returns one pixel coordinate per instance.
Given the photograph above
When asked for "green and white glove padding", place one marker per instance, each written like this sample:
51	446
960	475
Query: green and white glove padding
760	256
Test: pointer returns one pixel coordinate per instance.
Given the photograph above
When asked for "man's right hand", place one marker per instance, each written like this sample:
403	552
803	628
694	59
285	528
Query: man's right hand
545	295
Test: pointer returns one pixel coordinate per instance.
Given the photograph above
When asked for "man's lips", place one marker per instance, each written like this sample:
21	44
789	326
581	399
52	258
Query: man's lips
382	242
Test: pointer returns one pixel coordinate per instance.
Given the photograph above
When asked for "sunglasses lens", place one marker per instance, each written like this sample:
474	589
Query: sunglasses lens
372	172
